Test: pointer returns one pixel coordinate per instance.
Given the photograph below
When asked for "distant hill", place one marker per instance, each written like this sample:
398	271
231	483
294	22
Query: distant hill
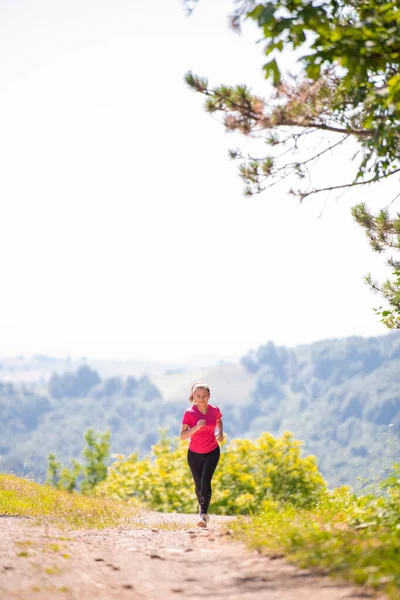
342	397
39	368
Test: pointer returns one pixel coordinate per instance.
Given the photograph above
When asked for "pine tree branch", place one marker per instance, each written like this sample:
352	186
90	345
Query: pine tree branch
253	116
295	164
319	154
347	185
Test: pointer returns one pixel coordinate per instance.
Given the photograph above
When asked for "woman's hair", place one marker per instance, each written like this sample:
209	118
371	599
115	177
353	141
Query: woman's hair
198	386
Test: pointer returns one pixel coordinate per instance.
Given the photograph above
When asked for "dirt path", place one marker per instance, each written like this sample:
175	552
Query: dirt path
148	562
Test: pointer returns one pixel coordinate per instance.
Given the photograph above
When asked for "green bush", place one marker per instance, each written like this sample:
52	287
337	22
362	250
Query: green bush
356	537
85	476
249	473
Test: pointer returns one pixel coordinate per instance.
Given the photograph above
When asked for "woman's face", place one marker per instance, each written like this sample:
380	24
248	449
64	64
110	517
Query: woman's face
201	398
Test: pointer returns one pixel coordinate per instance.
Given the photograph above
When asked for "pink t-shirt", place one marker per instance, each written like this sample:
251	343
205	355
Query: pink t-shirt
203	440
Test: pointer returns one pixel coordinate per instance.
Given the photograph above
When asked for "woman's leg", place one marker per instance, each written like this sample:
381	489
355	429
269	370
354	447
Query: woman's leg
210	464
196	462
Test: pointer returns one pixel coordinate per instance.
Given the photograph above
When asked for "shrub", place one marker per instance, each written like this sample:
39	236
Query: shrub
356	537
248	474
87	475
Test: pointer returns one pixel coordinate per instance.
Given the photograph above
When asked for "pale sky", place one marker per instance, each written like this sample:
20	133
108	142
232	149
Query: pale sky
124	231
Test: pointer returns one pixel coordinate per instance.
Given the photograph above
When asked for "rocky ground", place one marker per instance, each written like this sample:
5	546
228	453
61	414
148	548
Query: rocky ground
159	557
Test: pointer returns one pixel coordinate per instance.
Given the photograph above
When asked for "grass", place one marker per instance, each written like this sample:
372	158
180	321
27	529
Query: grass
355	539
54	570
23	498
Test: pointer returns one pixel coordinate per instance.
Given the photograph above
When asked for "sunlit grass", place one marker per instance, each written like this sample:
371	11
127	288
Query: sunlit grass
19	497
356	540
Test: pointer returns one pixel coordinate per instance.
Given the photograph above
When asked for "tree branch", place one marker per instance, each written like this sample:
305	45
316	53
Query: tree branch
253	116
347	185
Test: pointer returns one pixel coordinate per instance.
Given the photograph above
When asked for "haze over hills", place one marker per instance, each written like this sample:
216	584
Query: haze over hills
342	397
231	381
39	368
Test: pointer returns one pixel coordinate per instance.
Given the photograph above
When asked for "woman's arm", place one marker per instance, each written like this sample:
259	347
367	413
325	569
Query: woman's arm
187	433
220	431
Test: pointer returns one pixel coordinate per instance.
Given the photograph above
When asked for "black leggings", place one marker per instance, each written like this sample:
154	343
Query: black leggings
203	467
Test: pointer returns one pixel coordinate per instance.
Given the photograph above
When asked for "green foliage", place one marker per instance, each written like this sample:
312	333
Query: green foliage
20	497
339	396
96	455
34	424
248	474
53	471
348	86
354	537
383	233
69	476
349	80
87	475
363	39
157	482
390	290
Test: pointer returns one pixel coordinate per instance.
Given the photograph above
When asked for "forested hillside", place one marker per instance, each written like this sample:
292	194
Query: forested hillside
342	397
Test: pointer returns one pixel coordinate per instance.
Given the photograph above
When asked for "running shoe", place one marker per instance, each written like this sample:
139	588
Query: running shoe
203	520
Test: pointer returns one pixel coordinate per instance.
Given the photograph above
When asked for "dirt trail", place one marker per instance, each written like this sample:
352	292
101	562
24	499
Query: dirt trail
148	562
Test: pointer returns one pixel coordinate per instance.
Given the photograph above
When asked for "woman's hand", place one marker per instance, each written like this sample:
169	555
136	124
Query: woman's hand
187	432
219	436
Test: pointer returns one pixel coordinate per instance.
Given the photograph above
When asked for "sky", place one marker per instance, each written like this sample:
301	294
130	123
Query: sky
124	232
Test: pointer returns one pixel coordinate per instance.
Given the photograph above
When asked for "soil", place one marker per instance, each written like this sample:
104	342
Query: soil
150	561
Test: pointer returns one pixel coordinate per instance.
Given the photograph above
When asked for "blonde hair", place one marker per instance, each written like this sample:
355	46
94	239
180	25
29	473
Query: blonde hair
198	386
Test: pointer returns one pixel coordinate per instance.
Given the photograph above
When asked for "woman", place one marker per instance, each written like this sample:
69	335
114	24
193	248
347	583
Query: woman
202	423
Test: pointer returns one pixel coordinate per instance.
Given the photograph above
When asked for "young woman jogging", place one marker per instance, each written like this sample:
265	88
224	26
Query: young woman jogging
202	423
